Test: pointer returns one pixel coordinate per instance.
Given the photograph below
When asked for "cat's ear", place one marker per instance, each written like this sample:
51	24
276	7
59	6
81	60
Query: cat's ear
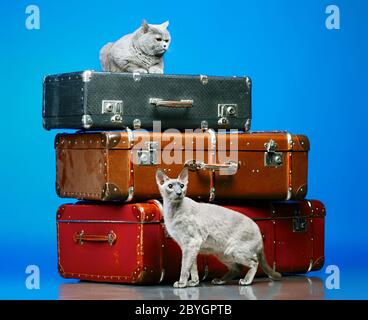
165	24
161	177
183	176
145	26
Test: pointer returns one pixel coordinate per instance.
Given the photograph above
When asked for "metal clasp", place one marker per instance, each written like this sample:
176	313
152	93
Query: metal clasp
271	157
225	111
112	107
299	223
148	156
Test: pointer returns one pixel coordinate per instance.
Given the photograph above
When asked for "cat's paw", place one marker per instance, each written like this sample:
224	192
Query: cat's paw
193	283
140	71
245	282
218	282
156	70
179	284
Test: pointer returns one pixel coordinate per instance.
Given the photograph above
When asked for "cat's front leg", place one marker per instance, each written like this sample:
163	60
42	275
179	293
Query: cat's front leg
194	278
189	255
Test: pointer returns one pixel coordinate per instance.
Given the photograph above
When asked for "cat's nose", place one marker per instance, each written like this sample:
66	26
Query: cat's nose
179	193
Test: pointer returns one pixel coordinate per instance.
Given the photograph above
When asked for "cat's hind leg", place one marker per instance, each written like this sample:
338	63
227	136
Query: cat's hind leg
252	264
234	270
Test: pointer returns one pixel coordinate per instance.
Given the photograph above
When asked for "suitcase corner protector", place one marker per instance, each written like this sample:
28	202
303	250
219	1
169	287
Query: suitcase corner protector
87	75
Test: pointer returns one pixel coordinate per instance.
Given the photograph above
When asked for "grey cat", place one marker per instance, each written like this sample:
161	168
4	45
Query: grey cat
210	229
141	51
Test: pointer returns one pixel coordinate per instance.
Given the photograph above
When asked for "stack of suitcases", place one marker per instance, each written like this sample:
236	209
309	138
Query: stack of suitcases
116	232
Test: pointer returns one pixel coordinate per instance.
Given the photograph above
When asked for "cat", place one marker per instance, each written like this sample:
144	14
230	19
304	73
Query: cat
141	51
210	229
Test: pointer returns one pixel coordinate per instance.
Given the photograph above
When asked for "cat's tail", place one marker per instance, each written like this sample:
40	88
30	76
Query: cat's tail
105	56
274	275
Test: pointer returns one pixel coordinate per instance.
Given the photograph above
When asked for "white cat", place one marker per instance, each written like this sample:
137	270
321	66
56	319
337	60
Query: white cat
141	51
207	228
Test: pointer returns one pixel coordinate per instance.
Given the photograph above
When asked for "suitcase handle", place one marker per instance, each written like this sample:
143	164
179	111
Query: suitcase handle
171	103
81	237
228	168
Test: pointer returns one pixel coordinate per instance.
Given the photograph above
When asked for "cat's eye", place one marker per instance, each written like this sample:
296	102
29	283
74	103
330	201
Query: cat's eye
159	39
170	186
166	40
181	186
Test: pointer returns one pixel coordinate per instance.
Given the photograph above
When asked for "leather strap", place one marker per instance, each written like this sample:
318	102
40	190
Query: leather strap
81	237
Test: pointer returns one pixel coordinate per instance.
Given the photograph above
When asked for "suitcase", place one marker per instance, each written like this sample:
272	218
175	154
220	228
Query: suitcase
121	165
117	243
92	100
128	243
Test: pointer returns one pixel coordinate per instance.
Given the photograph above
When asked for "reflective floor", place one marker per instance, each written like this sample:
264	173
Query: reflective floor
294	287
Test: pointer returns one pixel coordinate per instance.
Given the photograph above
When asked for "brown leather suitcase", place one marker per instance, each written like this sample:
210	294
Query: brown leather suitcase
121	165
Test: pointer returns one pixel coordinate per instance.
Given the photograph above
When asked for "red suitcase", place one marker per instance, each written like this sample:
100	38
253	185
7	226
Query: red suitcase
127	243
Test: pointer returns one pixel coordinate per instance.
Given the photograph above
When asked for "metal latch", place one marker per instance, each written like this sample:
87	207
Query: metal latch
112	107
148	156
271	157
225	111
299	223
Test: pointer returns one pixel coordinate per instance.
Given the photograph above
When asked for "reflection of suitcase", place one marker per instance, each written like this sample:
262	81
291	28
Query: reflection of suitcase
111	243
105	101
121	165
127	243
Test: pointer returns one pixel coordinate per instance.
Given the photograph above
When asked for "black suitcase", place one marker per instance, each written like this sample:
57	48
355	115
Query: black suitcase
90	100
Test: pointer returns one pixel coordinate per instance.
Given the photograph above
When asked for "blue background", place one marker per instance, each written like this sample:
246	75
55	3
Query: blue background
306	79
